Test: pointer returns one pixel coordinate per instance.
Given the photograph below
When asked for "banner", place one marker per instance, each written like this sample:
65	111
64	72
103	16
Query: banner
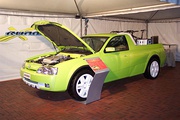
17	43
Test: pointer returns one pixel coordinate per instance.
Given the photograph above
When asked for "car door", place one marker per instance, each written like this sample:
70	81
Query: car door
117	60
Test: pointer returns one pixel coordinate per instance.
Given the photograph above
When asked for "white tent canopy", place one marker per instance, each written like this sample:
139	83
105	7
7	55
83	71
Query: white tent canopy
159	18
91	8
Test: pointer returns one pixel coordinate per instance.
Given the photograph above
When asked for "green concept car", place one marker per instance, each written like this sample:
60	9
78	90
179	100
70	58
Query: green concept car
67	69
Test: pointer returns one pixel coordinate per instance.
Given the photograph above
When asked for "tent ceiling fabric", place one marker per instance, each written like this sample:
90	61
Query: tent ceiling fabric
131	9
152	15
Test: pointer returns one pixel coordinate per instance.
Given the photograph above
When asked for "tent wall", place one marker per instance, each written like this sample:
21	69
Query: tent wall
106	26
168	33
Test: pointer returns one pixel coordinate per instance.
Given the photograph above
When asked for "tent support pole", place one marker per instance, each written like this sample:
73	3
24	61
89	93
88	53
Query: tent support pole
147	23
79	12
81	26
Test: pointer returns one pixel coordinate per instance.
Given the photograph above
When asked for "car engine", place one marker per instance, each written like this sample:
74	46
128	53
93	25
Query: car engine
53	59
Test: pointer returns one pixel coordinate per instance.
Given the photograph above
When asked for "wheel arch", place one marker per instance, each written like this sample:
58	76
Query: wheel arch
156	57
76	71
150	58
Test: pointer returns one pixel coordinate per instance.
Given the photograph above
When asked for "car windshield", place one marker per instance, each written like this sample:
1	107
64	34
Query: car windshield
95	42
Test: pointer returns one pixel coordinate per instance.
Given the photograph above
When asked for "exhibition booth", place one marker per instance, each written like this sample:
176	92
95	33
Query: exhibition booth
14	50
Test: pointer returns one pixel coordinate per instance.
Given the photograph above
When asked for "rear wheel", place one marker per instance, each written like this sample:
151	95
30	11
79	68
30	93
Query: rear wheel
153	68
79	86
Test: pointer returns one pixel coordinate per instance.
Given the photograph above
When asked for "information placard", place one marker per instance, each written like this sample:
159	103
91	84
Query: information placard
96	64
101	71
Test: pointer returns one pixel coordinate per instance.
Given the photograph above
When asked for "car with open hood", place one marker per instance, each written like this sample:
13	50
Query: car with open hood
66	67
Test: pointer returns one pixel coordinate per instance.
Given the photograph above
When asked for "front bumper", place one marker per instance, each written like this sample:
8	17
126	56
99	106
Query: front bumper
42	81
35	84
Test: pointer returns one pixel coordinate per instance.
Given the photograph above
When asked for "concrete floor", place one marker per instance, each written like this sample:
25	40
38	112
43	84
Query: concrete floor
134	98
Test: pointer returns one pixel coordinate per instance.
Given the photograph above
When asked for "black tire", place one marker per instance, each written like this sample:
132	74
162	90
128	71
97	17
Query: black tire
79	86
152	69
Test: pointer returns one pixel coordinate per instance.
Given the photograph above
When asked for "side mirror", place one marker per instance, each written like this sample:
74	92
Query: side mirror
110	49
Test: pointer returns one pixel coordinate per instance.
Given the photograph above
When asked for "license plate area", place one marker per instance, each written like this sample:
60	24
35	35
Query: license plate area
27	76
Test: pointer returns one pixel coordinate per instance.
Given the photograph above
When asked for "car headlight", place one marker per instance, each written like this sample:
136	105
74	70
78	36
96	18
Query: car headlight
47	70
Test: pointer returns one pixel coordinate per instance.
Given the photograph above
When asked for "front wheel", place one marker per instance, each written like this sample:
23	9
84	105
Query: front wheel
152	70
79	86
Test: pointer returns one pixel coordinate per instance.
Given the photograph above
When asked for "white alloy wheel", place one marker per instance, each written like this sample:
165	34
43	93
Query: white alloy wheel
82	85
154	69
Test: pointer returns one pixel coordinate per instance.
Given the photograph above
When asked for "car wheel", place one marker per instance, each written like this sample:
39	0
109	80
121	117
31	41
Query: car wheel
79	86
152	69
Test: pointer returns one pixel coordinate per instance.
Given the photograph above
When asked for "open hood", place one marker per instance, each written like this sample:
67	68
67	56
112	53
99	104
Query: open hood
59	35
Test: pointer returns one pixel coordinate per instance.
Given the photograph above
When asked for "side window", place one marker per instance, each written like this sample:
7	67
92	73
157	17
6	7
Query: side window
119	43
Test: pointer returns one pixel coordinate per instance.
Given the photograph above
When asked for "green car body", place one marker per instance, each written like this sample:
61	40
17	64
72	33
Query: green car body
55	71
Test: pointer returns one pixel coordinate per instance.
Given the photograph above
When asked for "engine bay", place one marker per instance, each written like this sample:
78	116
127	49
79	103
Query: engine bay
65	54
53	59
